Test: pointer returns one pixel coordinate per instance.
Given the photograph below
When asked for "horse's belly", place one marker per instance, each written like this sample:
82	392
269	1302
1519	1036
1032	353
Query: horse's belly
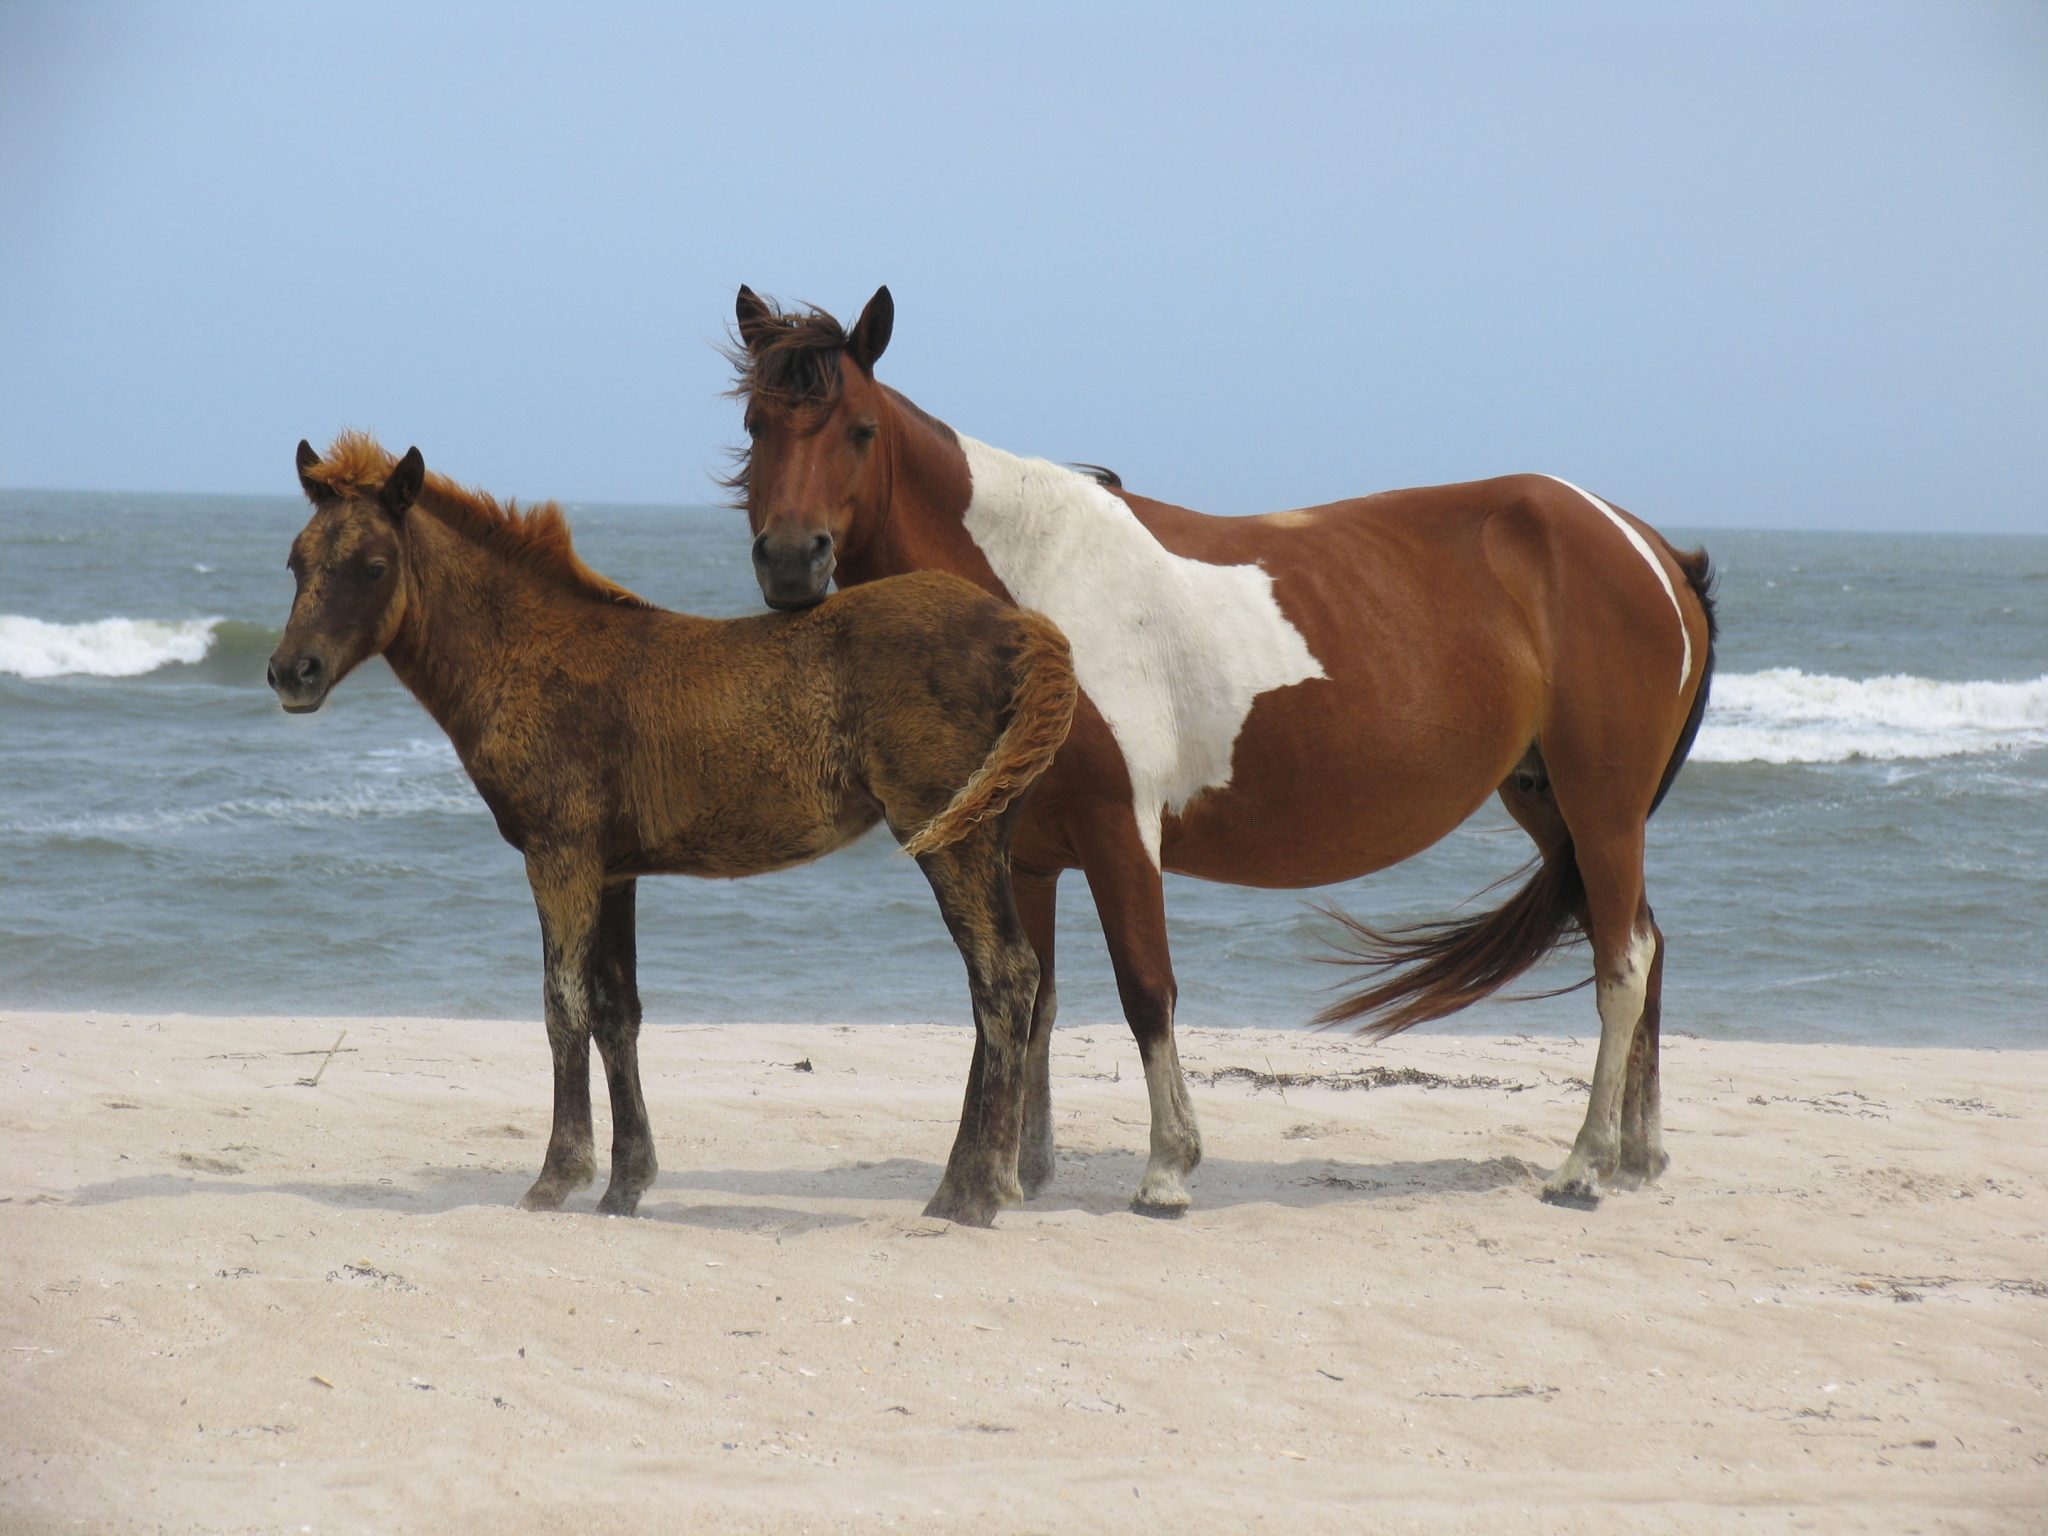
728	848
1240	838
1328	788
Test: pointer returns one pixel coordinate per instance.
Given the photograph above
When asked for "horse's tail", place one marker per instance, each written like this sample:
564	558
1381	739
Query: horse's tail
1042	699
1438	968
1434	969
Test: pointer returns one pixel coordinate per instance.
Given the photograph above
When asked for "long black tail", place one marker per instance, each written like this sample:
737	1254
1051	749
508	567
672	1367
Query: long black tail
1433	969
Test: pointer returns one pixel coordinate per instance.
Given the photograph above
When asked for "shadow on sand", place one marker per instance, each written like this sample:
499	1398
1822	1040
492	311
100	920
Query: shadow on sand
1094	1183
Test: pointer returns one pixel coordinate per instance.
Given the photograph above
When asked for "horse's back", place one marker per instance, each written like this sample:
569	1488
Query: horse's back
1451	624
1506	564
932	667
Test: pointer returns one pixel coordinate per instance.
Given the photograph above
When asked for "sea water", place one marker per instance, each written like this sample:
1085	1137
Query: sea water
1858	849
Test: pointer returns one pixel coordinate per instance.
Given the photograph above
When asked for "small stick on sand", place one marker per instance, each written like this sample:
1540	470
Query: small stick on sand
314	1080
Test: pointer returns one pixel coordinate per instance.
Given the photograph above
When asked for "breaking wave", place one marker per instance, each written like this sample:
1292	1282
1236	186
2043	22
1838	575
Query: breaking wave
122	647
1786	715
101	648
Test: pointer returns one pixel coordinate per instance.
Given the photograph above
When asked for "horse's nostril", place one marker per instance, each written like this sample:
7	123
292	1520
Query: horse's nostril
760	549
308	669
270	673
821	546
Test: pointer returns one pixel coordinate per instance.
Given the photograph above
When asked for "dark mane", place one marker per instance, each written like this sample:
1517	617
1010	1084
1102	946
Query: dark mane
355	465
795	371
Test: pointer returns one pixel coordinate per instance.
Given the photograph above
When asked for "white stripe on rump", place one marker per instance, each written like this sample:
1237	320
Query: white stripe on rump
1648	554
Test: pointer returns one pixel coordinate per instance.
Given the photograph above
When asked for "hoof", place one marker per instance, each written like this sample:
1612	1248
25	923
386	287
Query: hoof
1577	1196
1640	1171
554	1186
1034	1176
619	1203
962	1212
1163	1192
1158	1212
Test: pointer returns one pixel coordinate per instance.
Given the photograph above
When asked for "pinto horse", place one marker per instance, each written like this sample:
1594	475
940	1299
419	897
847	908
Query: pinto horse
1283	701
612	739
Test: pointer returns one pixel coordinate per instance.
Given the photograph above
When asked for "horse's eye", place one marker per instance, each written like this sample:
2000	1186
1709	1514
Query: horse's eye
863	433
378	568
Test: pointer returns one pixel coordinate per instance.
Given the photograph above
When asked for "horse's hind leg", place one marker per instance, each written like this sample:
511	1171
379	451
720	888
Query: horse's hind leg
1036	896
1643	1157
1625	950
615	1020
567	899
971	880
1528	798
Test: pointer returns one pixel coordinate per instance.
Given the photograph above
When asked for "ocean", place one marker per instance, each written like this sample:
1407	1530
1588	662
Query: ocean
1858	850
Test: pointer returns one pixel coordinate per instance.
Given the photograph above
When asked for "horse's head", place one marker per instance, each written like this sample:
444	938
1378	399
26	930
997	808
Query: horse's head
814	475
350	568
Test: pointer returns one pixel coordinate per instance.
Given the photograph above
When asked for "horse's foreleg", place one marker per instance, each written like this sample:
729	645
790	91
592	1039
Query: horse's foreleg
1643	1158
971	881
1625	950
1036	897
615	1021
1131	902
567	900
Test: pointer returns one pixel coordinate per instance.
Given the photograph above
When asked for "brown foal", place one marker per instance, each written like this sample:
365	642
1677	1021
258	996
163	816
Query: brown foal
612	739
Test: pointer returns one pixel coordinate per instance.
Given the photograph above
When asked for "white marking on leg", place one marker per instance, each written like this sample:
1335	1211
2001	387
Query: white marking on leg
1172	651
1173	1132
1621	1000
1649	555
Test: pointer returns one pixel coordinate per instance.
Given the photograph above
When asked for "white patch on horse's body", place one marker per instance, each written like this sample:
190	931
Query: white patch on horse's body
1650	556
1172	651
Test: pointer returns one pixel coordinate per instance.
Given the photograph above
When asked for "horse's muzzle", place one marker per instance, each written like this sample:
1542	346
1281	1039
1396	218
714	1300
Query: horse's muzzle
795	570
301	682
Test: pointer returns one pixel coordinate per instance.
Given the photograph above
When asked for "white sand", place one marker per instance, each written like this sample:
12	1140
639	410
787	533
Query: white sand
234	1302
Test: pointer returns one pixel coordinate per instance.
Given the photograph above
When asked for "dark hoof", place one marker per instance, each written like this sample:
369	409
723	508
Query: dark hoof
1158	1212
614	1204
1574	1197
962	1212
1034	1180
1638	1174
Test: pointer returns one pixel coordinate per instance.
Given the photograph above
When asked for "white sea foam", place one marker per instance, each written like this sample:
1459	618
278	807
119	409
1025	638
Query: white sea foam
101	647
1789	716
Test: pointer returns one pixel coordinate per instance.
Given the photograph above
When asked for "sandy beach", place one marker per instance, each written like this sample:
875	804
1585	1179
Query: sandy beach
253	1283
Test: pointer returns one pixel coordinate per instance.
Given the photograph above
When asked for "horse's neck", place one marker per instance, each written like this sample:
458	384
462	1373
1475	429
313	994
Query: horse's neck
470	621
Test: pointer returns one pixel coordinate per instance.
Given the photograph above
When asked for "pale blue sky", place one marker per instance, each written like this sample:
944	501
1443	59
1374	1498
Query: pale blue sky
1762	264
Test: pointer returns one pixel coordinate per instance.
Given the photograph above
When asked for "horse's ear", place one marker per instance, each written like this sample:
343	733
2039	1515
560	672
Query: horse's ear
757	320
317	492
402	485
871	331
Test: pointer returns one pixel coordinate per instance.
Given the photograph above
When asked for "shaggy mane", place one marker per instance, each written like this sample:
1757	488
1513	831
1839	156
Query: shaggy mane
356	464
795	372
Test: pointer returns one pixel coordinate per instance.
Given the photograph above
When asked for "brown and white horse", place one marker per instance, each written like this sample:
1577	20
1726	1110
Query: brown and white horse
1283	701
